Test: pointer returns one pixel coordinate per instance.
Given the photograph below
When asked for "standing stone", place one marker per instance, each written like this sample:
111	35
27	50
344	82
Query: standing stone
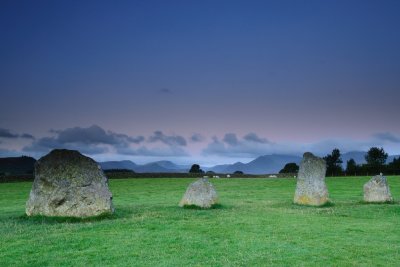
69	184
377	190
200	193
311	188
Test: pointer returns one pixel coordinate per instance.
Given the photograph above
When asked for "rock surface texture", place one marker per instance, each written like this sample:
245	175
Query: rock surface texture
377	190
200	193
311	188
69	184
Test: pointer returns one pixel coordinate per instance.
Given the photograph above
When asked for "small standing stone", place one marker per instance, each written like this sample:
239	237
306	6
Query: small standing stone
200	193
311	188
377	190
69	184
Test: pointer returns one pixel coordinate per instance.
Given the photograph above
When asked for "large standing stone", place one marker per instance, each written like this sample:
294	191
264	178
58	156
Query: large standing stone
311	188
200	193
69	184
377	190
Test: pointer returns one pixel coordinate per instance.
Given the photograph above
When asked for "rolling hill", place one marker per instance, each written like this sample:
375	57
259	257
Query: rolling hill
17	165
266	164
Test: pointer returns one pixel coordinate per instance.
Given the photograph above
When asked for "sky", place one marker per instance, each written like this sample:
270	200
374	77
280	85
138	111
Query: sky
198	81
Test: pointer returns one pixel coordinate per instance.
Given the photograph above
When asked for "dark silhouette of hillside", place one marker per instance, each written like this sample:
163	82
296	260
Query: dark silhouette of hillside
17	166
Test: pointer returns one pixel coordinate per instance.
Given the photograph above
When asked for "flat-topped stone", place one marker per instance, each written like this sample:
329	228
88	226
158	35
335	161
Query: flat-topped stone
377	190
200	193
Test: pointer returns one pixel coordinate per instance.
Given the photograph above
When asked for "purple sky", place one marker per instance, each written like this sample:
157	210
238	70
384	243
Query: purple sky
204	81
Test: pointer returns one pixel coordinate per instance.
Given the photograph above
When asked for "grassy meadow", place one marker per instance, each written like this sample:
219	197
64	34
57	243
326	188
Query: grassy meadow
255	225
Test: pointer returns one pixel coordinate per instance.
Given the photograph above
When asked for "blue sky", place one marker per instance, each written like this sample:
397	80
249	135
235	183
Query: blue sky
202	81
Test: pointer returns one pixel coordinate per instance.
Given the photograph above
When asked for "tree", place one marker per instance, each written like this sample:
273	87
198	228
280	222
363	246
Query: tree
334	163
394	166
351	168
196	169
376	157
290	168
238	172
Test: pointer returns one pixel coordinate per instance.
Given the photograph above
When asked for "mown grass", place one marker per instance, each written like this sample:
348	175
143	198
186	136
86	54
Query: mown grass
256	224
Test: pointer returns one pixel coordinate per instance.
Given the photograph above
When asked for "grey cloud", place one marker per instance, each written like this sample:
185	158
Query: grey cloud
136	140
246	147
252	137
165	91
95	135
5	133
91	140
92	135
170	140
45	144
96	140
231	139
153	152
197	138
27	136
250	149
230	146
54	131
387	137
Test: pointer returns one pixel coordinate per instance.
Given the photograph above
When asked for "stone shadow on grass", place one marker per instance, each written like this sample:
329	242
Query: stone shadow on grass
40	219
213	207
328	204
393	202
119	213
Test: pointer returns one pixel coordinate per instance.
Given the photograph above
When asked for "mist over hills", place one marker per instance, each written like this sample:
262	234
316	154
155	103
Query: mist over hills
123	164
156	167
266	164
261	165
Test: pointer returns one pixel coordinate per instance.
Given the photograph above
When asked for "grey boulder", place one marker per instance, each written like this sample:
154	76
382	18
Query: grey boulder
200	193
311	188
377	190
69	184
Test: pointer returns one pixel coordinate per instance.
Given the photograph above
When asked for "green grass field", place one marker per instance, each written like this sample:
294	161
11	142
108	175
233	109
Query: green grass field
256	225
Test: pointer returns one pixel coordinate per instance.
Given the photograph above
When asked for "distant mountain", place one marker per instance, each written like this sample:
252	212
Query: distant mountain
156	167
261	165
123	164
160	166
17	165
172	166
274	163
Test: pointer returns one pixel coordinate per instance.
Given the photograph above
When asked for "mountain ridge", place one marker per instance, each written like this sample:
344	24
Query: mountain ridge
266	164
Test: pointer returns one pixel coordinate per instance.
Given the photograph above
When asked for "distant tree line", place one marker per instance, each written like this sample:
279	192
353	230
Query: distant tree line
375	163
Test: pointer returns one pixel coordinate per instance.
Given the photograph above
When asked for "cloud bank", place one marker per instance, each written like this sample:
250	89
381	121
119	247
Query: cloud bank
95	140
251	145
6	133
